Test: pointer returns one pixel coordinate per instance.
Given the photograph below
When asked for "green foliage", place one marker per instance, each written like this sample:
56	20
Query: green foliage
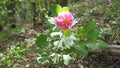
65	9
41	41
96	45
40	51
13	53
80	32
67	33
67	59
44	60
93	34
57	46
81	51
89	26
88	35
23	11
90	31
60	44
55	9
3	36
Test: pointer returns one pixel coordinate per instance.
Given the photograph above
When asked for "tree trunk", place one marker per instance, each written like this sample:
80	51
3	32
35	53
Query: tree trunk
34	13
11	13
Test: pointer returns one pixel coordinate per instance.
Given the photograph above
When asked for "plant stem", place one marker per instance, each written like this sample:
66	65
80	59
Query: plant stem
59	41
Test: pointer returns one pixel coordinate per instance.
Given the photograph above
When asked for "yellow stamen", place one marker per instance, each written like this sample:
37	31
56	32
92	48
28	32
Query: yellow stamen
65	21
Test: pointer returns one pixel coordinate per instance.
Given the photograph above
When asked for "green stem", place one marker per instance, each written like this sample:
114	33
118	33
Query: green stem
59	41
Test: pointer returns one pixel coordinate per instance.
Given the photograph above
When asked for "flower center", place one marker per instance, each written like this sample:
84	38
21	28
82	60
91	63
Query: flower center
65	21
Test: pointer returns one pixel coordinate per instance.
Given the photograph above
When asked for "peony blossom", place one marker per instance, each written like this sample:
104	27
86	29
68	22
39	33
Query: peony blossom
64	20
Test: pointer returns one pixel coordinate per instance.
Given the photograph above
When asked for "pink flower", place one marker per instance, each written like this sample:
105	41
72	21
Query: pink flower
64	20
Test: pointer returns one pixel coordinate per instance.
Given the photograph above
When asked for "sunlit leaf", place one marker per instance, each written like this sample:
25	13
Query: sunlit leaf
56	34
58	44
65	9
80	32
55	58
68	42
67	59
67	33
55	9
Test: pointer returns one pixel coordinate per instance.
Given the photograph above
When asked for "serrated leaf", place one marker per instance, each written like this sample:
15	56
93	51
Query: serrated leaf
96	45
93	34
65	9
41	40
89	26
67	33
81	51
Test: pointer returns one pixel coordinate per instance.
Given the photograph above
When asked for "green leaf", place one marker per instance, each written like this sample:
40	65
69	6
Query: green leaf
93	34
49	25
44	60
16	30
55	9
96	45
67	59
58	8
56	58
102	44
3	36
67	33
113	11
69	50
89	26
39	51
92	46
82	50
80	32
118	22
41	41
65	9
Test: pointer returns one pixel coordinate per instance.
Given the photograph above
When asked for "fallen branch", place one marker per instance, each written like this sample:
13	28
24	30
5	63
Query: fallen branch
111	50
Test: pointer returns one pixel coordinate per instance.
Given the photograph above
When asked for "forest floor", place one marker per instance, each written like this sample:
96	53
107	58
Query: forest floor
27	37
